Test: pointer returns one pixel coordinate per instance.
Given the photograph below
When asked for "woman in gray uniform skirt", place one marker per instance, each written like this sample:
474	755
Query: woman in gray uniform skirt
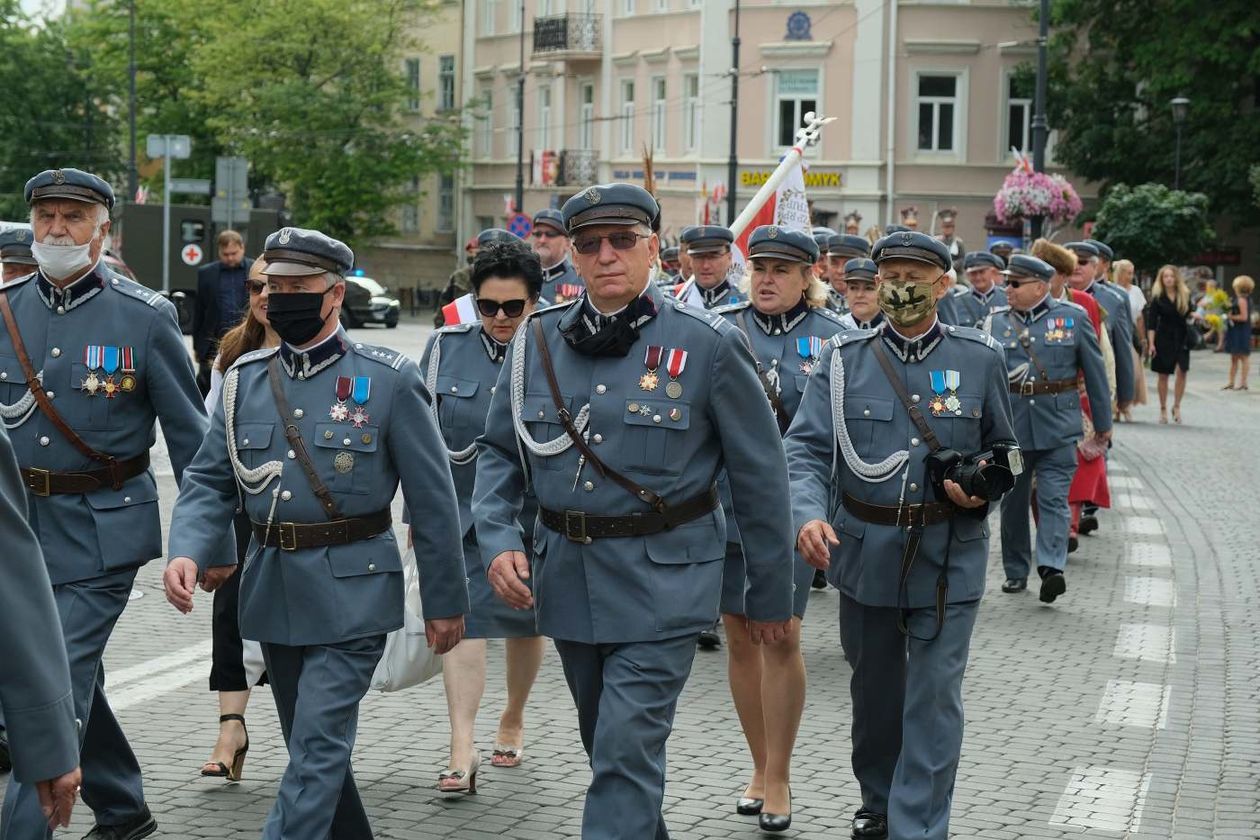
786	323
461	365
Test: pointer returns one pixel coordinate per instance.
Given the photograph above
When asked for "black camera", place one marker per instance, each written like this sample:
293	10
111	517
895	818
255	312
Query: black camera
987	481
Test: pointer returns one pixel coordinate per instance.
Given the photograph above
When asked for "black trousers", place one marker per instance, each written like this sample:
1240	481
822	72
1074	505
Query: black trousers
227	660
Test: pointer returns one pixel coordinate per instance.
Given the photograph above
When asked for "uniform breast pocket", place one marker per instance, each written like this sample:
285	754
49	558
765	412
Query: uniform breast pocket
653	432
91	399
252	442
542	421
345	456
461	413
867	419
12	380
962	425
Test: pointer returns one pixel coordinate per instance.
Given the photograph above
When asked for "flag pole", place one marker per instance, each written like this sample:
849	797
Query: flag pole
804	137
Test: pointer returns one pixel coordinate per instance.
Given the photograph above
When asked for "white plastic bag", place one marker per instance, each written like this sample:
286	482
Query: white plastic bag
408	660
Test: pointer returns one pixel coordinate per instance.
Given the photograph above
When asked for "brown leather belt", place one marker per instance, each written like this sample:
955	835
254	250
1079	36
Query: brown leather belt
290	536
1054	386
47	482
581	527
904	516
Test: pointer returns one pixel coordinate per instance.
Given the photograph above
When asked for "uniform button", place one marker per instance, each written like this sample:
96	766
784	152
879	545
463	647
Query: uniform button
866	412
633	408
914	398
244	441
285	496
43	441
56	351
913	488
4	374
588	486
600	389
598	438
61	310
126	500
454	389
290	454
345	441
541	415
777	331
656	418
358	347
51	394
301	375
914	441
953	329
371	567
297	412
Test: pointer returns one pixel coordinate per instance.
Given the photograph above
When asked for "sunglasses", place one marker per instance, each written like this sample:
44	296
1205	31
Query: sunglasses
621	241
510	308
1016	282
540	233
255	286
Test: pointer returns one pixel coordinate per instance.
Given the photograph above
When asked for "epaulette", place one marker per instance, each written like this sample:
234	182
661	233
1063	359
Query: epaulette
959	290
731	307
826	313
382	355
134	291
999	310
17	281
254	355
850	336
707	316
977	335
457	328
554	307
1075	306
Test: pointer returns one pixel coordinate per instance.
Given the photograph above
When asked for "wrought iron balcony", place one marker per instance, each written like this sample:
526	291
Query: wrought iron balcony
578	167
568	36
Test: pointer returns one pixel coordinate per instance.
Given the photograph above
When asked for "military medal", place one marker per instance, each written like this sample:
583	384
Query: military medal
651	360
809	349
110	388
937	403
340	412
128	381
677	361
344	462
952	380
91	384
360	390
1067	333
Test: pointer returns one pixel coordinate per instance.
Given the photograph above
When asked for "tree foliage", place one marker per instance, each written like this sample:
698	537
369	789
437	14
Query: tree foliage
1153	225
1116	64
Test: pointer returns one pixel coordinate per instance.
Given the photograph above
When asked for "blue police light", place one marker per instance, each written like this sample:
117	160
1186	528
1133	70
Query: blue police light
358	272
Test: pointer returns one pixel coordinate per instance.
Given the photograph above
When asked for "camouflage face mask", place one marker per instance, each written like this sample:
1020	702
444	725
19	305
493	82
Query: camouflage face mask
906	304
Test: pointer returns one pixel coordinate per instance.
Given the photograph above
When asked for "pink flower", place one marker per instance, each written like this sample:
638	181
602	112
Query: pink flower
1025	194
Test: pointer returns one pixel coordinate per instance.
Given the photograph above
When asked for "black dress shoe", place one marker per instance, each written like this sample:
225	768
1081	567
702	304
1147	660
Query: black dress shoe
820	579
141	825
709	639
749	807
1073	544
774	823
1088	525
1052	586
1015	585
868	825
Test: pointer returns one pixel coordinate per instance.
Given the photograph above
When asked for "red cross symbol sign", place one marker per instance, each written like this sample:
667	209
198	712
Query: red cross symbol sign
192	254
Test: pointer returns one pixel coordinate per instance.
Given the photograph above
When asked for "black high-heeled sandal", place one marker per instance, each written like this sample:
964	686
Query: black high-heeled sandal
223	771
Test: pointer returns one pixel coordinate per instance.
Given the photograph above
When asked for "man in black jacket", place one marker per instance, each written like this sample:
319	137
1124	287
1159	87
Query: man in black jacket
221	301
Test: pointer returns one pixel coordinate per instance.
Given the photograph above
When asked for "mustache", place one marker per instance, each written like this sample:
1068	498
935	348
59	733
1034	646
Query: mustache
58	240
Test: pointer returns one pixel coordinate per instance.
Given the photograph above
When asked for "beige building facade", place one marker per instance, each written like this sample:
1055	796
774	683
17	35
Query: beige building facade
925	94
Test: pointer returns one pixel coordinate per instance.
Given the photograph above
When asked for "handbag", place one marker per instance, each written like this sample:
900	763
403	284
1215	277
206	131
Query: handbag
408	660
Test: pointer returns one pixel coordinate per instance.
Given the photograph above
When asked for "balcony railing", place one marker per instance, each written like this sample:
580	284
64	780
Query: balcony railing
578	167
570	33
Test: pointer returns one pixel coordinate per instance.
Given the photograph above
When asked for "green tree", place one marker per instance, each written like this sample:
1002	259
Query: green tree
1152	225
1117	63
55	111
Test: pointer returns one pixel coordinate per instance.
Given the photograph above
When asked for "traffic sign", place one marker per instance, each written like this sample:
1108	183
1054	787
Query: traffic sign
196	186
520	225
231	190
178	146
192	254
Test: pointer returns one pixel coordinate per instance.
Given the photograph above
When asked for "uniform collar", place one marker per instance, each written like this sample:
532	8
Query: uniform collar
558	270
303	364
985	297
784	322
871	324
80	291
912	349
1040	308
494	349
837	300
1091	289
637	313
715	296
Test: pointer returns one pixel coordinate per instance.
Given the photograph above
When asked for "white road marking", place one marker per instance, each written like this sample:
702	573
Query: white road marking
1149	591
1146	642
1144	526
1149	555
1132	501
1124	481
199	653
145	690
1126	703
1103	799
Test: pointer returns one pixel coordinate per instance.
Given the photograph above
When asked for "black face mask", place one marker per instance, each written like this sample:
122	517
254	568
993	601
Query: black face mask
295	316
614	338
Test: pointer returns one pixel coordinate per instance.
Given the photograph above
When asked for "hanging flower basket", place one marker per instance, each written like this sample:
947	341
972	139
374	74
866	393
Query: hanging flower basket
1026	194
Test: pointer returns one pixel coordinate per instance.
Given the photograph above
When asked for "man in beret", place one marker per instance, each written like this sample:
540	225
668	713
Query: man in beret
1048	344
550	242
15	252
906	546
113	362
620	408
709	250
984	273
321	429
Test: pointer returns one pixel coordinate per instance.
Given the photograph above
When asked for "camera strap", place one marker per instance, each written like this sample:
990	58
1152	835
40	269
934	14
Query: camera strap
1026	342
914	534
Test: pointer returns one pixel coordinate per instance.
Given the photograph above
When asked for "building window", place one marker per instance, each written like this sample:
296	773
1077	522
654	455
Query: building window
517	20
691	111
446	204
489	11
627	115
938	113
1019	109
796	94
586	117
659	113
485	123
544	118
514	138
410	219
446	83
547	7
412	67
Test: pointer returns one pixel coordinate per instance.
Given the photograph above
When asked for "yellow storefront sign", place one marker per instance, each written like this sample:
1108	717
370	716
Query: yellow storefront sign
813	180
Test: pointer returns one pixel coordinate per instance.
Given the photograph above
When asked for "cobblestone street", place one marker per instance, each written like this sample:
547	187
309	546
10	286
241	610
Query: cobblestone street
1126	710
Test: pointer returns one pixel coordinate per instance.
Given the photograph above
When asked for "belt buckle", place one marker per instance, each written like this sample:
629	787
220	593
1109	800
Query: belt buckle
576	534
1026	388
42	481
288	529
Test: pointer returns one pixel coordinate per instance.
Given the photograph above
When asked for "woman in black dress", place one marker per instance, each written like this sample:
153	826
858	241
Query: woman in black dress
1168	336
1238	332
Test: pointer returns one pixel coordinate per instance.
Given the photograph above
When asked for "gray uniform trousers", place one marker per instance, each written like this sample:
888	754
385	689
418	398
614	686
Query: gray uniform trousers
626	695
907	711
112	785
317	689
1054	470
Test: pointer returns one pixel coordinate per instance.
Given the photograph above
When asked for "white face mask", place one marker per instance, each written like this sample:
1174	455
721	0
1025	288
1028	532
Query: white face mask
61	261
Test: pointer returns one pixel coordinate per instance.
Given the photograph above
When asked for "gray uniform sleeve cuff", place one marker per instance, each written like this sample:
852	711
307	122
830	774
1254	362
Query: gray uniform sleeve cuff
44	742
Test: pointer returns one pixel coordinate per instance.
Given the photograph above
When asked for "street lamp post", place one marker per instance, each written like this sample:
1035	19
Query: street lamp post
732	163
133	179
1040	127
520	122
1180	107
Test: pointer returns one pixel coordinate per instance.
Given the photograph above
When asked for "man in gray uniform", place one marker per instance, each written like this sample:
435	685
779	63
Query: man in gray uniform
882	454
551	244
840	249
88	362
1115	302
314	437
35	678
984	270
1047	343
621	409
15	252
709	249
